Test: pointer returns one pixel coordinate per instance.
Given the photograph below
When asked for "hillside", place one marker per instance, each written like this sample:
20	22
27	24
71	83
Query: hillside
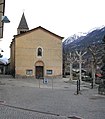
83	41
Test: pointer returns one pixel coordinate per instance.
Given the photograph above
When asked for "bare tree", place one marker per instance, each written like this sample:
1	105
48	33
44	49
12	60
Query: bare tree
80	54
94	50
103	62
71	58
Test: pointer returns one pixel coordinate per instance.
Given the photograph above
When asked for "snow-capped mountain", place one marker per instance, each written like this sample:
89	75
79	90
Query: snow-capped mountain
84	40
74	37
96	28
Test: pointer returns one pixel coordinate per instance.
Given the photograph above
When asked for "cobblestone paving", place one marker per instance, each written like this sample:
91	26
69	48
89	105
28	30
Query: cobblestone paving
23	99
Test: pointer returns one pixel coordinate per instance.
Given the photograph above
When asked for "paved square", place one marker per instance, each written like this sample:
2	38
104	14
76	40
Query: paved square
31	99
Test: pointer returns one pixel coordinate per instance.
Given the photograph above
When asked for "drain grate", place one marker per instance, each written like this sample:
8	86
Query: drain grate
66	87
74	117
2	102
96	97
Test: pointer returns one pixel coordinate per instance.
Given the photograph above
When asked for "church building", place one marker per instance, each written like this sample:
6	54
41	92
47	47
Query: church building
36	52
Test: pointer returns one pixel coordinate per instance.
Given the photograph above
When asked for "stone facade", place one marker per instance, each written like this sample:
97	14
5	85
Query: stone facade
36	53
25	60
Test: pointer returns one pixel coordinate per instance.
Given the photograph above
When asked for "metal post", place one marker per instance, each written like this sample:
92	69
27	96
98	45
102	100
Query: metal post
92	83
77	88
52	83
79	84
39	82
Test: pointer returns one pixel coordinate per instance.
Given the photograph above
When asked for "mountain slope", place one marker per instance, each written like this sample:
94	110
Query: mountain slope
81	42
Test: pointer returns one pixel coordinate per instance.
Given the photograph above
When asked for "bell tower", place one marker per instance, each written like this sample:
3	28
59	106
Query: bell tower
23	26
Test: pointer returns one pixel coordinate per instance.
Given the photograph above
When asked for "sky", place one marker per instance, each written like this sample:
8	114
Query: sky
62	17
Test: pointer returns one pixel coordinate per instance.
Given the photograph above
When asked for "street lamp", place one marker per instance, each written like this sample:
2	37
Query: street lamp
5	19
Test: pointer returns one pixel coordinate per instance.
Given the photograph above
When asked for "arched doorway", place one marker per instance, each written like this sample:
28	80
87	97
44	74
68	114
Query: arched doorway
39	69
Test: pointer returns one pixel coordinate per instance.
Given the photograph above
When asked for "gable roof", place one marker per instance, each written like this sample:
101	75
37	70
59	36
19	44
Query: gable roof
39	27
23	23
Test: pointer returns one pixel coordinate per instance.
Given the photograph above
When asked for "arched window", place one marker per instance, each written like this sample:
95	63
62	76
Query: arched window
39	53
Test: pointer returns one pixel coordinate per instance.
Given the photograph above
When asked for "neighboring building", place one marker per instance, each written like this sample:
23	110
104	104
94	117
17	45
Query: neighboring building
2	10
36	52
